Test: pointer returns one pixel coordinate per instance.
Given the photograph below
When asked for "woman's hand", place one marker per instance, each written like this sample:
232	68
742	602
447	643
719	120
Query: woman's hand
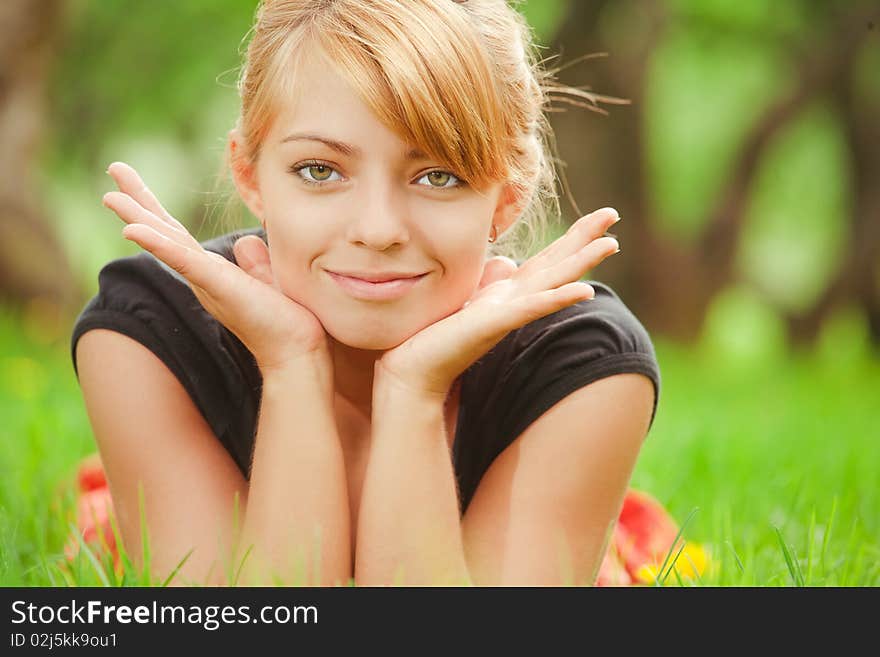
245	298
506	298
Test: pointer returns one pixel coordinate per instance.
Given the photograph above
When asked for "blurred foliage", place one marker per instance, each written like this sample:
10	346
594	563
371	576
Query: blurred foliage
129	69
705	90
155	88
799	211
865	76
720	66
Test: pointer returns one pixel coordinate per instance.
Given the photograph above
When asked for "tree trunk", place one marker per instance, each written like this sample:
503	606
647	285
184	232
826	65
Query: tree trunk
34	271
668	284
858	280
660	279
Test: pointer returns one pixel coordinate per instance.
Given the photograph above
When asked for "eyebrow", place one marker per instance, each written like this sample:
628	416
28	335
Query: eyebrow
347	149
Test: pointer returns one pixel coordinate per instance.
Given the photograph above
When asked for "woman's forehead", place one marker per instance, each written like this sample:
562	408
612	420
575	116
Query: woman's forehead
329	112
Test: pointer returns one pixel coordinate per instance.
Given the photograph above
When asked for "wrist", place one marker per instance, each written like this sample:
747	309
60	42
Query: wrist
311	369
389	388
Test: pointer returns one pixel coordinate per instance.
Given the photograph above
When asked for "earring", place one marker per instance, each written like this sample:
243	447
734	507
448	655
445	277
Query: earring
494	234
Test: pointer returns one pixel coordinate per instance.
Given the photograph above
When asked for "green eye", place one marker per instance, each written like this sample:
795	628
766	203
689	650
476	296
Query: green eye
439	177
442	180
314	172
319	171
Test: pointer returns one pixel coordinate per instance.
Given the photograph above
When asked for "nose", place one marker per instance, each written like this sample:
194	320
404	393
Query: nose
379	219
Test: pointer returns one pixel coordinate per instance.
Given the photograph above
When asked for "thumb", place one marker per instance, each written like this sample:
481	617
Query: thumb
496	269
252	255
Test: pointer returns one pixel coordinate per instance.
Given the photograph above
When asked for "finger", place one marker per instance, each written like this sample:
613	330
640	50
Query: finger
571	268
513	314
252	256
540	304
496	269
132	212
196	265
129	181
582	232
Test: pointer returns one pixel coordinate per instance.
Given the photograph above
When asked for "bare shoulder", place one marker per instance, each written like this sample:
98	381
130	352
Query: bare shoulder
151	435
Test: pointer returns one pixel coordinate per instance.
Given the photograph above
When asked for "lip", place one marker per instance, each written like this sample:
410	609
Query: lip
377	277
380	291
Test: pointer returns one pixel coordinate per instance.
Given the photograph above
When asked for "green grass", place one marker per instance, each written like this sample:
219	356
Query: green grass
771	464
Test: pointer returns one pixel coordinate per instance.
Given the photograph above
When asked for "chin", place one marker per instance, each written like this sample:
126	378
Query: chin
367	344
379	336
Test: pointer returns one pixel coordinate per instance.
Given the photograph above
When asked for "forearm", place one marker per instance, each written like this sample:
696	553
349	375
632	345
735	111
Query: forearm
297	516
409	527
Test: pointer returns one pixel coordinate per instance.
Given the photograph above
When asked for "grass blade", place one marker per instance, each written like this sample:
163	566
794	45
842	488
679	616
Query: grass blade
827	536
674	561
694	568
810	535
241	564
675	542
739	563
91	556
177	568
677	576
794	567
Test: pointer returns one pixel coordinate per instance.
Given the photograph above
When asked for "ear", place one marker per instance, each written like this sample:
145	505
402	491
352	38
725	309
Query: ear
244	175
508	208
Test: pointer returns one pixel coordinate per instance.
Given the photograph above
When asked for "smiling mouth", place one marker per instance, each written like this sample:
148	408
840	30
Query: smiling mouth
375	291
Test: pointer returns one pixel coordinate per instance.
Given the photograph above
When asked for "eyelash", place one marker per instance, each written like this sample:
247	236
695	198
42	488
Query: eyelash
296	168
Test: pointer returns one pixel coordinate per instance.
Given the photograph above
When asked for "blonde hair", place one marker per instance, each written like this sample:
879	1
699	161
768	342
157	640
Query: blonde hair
459	80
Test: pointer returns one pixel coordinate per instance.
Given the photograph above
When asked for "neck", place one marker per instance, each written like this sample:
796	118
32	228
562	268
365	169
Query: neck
353	375
353	371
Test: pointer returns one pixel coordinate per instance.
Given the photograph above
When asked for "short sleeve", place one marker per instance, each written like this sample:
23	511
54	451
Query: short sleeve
141	297
585	342
536	366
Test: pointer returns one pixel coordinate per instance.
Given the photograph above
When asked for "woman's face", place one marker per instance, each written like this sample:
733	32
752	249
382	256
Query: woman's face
367	205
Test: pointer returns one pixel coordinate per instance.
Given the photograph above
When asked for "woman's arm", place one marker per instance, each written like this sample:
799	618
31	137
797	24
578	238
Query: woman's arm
541	514
159	441
297	517
409	526
155	442
298	488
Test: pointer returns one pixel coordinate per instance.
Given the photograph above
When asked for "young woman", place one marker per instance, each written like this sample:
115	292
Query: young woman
358	390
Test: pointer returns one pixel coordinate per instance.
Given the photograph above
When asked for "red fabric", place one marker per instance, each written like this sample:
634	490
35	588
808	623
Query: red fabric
643	536
94	507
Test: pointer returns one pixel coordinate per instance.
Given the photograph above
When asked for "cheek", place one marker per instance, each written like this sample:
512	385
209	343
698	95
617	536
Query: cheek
462	257
462	276
290	256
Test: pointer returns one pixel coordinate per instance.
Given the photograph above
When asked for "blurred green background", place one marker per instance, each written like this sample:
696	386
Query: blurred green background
745	167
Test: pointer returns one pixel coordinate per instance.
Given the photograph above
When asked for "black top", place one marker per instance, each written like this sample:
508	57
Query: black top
502	393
